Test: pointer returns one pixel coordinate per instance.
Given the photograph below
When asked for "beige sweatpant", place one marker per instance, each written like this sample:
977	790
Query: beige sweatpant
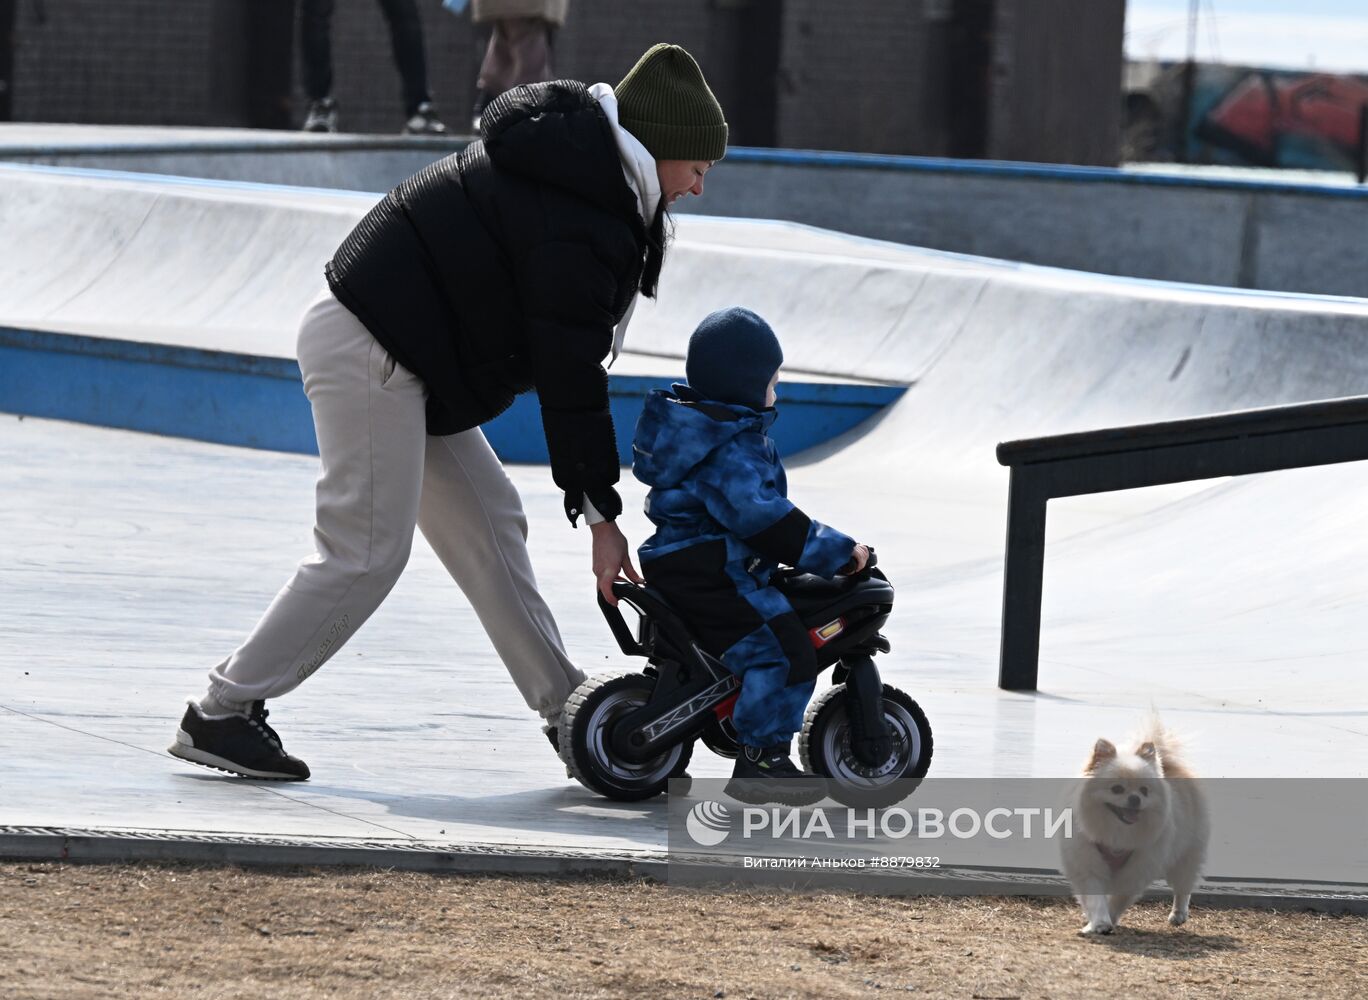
382	473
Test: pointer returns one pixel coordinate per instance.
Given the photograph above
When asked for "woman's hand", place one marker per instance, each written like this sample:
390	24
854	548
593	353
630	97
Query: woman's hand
612	558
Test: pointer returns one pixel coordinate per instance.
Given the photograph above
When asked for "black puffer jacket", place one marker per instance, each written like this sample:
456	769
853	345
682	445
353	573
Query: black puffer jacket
504	268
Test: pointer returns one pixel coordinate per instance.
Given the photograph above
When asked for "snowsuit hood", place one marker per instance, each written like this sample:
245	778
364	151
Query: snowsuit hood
679	429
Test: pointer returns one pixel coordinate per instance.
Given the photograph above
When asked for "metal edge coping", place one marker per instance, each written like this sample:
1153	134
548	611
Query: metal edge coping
178	180
107	846
823	159
176	147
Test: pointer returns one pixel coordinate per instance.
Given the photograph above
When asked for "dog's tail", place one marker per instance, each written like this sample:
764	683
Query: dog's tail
1172	747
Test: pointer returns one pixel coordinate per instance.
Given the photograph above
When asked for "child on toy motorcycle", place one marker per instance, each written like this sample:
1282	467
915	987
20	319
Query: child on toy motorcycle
724	523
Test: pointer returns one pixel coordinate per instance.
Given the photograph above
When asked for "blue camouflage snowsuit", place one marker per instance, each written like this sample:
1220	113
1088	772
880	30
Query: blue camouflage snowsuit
723	524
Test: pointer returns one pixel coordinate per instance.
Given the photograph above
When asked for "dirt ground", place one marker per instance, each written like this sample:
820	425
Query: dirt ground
69	931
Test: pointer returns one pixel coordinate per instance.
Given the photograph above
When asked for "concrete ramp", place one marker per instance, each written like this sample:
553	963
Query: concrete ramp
997	350
1235	608
194	263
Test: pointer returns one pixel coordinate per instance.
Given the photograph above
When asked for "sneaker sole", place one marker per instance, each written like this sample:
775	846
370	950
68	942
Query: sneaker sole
184	749
758	796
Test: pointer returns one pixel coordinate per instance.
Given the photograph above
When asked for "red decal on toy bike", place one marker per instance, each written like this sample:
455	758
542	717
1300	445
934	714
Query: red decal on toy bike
823	634
723	709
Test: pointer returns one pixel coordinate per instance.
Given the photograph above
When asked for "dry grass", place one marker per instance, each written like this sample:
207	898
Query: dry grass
74	931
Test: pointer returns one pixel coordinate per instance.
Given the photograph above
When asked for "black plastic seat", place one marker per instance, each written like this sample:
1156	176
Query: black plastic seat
818	600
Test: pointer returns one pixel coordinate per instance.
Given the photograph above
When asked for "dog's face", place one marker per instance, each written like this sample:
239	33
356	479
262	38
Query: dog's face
1124	799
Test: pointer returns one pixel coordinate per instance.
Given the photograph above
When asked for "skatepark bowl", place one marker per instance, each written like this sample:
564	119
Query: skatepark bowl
155	457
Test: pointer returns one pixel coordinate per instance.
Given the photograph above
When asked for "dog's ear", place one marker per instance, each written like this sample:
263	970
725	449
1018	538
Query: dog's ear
1102	751
1149	753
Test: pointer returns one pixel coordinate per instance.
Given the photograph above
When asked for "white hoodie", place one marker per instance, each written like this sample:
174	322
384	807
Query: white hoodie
639	167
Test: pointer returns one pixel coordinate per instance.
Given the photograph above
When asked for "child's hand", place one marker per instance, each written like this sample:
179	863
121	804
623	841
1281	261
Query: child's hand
858	560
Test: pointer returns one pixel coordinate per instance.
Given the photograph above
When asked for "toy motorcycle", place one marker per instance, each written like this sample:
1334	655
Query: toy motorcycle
626	736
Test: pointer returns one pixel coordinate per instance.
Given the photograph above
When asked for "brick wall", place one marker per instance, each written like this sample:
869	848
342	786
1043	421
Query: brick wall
864	75
162	62
1057	69
852	76
134	61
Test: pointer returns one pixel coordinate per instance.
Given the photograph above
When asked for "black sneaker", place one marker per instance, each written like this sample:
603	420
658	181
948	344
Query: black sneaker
767	774
424	121
239	744
322	116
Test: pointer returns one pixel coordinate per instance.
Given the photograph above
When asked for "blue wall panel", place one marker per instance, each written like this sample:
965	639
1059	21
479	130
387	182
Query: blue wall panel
258	402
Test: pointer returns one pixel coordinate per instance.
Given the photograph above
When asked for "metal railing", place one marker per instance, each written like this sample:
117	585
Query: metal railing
1125	458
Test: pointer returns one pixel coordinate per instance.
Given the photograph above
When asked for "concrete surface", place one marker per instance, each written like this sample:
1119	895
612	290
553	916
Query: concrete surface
133	562
1277	230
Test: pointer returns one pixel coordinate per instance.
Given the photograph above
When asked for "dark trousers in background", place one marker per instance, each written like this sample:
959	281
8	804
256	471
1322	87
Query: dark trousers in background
8	9
406	40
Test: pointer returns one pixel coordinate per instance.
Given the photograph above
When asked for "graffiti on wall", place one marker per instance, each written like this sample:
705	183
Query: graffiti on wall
1249	116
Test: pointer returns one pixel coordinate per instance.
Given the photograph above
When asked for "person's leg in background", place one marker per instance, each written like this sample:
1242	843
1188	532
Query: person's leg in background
406	41
371	427
315	50
519	52
482	35
529	43
473	518
8	12
519	45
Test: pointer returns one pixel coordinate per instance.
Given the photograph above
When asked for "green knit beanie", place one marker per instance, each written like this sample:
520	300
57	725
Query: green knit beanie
665	102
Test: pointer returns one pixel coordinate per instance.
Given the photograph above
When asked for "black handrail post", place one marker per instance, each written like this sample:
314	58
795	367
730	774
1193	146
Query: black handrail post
1361	164
1242	443
1023	579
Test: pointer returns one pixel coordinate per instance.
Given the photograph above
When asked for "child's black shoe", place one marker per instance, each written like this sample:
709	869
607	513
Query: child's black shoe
768	774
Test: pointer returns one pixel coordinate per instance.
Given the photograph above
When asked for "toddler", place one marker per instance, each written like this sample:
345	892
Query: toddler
724	523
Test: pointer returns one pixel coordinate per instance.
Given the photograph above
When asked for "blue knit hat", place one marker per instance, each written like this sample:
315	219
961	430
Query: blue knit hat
732	357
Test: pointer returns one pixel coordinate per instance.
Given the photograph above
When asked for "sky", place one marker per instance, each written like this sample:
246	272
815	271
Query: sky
1327	35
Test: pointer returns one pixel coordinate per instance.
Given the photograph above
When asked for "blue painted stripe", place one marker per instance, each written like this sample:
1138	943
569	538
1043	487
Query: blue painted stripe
1029	171
205	403
811	413
46	341
258	402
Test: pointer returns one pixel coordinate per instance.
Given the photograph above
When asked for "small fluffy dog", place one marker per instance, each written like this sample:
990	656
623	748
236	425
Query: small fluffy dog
1137	817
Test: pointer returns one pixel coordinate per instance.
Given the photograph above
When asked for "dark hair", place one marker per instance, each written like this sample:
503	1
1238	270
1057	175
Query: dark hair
658	239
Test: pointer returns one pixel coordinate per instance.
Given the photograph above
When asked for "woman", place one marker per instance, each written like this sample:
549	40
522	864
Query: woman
508	267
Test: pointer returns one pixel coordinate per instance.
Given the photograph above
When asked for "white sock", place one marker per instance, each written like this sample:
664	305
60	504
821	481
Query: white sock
213	706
